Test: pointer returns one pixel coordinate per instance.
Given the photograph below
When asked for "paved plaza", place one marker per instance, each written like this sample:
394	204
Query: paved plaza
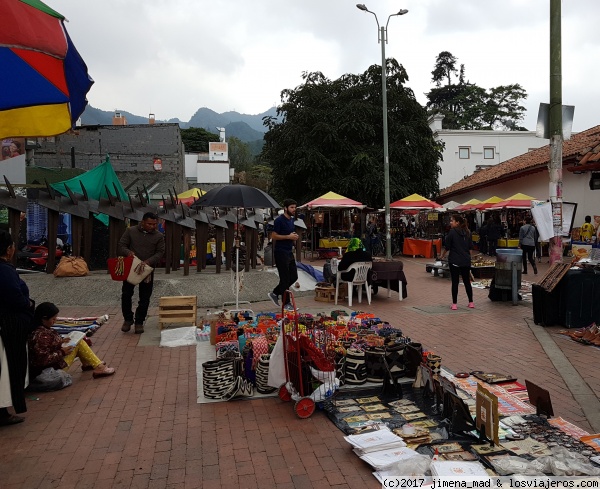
142	427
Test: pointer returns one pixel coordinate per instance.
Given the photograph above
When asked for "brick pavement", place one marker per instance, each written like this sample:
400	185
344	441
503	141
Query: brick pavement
142	428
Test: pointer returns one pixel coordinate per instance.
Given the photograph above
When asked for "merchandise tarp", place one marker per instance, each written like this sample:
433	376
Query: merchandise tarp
95	182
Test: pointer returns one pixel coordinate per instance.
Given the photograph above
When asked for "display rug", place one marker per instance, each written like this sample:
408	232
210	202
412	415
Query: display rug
87	325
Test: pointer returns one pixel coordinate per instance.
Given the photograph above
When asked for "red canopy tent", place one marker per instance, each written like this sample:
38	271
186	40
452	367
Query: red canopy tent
416	202
333	200
469	205
486	204
517	201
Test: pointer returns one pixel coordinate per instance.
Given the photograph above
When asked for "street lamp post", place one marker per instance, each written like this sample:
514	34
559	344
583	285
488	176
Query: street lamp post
382	39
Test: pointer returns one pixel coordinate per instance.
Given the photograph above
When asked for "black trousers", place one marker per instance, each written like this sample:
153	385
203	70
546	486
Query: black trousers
528	255
145	292
288	273
455	274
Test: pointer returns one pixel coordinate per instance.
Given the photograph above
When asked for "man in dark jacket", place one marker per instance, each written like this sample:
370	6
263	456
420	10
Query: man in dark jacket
145	242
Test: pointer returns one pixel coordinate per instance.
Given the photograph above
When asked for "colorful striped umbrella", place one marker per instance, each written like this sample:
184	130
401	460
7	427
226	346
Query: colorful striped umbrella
44	80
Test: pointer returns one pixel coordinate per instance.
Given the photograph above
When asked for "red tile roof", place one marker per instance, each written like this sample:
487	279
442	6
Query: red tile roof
583	149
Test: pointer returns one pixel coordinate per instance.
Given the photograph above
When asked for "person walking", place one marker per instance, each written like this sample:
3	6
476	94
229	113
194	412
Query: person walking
458	246
16	313
284	236
527	240
148	244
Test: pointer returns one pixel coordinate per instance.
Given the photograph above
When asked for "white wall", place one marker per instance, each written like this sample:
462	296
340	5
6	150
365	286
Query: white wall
212	172
506	145
191	162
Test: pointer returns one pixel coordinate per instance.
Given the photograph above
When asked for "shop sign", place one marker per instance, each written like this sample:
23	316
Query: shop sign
432	216
157	164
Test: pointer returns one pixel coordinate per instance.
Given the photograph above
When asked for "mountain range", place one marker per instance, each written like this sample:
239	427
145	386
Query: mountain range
246	127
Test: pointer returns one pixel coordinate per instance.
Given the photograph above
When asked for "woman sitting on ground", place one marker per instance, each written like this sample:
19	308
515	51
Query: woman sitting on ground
48	349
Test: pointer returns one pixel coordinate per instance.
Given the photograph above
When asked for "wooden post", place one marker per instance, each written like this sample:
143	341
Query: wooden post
53	219
219	241
168	246
187	240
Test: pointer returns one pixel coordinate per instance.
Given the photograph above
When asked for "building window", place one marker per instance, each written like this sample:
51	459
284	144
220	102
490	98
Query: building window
464	153
488	153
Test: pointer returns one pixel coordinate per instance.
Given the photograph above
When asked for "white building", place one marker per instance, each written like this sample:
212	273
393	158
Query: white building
528	174
468	151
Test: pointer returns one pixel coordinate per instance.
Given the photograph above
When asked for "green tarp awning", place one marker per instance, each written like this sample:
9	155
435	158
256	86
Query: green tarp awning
95	182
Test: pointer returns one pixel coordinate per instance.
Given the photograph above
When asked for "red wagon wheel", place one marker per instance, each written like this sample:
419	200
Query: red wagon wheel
305	407
284	395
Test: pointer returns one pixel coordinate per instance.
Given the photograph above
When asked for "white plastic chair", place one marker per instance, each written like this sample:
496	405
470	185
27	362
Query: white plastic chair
360	277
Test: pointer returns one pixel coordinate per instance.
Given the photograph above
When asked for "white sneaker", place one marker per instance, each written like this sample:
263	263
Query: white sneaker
289	307
274	298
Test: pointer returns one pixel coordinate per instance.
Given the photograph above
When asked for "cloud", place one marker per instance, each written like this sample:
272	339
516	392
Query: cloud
172	57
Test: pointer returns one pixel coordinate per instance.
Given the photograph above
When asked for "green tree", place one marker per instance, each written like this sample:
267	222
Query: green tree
445	68
240	155
468	106
328	135
196	139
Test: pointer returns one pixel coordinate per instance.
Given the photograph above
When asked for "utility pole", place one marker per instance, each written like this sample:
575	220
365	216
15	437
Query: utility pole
556	134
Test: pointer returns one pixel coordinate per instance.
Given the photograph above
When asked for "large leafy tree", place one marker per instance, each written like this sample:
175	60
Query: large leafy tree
328	136
468	106
196	139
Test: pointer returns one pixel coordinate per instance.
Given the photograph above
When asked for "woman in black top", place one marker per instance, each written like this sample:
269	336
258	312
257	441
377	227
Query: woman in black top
458	245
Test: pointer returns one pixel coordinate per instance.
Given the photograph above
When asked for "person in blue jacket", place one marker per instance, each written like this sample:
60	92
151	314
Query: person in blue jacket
284	237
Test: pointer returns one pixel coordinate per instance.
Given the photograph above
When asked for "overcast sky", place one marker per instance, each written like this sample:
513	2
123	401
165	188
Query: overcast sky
171	57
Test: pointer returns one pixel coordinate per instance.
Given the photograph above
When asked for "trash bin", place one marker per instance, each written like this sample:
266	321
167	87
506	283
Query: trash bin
580	298
505	257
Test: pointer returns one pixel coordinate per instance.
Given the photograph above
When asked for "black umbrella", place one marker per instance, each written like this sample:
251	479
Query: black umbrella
242	196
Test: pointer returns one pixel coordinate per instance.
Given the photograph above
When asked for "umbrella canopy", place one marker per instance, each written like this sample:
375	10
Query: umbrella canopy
44	80
241	196
415	201
517	201
486	204
189	196
469	205
332	200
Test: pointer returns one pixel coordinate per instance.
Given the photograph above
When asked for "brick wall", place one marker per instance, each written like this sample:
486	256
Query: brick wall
132	150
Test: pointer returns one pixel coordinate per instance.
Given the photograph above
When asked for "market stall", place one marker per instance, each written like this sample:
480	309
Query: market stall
414	245
403	411
333	220
428	248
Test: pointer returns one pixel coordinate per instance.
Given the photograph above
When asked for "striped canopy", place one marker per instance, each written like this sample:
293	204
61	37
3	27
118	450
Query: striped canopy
333	200
517	201
415	201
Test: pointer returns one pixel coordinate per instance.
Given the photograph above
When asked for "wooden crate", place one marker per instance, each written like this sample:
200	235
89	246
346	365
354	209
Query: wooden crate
177	309
327	294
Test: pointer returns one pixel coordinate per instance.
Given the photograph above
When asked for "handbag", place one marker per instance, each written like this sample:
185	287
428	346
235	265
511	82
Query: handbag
138	272
71	266
119	267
